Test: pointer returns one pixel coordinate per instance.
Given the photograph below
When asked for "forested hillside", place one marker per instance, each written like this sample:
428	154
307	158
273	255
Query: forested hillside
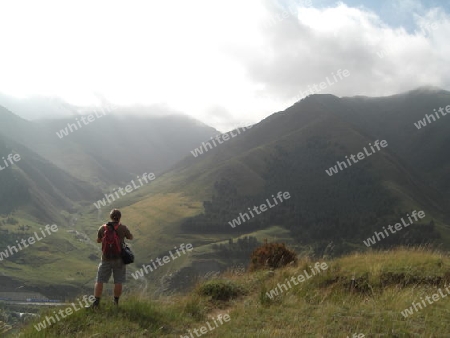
291	151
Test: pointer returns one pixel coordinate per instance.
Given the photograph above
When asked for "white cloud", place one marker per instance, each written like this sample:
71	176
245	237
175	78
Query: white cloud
245	58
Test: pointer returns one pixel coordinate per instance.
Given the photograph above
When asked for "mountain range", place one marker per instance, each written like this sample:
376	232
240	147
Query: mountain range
194	199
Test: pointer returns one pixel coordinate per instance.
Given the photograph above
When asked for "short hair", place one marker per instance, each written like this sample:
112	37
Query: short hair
115	215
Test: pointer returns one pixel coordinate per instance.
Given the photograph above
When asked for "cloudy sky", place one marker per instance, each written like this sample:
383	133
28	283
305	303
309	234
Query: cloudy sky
226	62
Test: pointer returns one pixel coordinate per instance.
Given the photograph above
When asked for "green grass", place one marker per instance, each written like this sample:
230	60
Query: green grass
323	306
50	256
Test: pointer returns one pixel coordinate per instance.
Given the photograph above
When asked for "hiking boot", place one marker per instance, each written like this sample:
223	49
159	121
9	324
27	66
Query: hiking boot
94	306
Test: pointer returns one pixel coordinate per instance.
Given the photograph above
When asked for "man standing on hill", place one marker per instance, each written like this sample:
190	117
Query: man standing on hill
112	236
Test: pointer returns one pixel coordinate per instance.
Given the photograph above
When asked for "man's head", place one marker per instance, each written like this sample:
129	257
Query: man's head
115	215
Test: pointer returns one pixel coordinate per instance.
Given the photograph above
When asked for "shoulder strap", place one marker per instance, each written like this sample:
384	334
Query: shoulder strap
106	225
122	241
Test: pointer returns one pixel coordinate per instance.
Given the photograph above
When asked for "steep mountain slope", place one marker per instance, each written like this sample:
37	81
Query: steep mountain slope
109	149
338	127
136	144
291	151
66	155
56	180
396	118
203	195
34	193
36	185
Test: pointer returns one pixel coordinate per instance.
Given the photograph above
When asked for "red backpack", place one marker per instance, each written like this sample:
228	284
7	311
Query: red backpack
111	246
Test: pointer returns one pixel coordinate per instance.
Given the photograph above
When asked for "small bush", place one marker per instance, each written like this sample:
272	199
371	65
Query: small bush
221	290
272	255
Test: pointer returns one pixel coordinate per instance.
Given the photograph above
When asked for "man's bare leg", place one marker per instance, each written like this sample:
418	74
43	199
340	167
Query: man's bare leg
98	290
117	293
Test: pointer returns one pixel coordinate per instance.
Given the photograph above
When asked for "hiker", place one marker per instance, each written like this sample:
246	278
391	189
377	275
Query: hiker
112	236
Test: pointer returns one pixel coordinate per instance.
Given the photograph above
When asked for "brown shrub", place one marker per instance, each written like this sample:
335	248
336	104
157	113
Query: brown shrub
272	255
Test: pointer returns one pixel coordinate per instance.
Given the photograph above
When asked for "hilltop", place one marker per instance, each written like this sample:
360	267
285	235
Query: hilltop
325	304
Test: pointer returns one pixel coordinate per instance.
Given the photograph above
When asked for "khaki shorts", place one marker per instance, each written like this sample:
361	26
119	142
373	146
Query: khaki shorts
116	267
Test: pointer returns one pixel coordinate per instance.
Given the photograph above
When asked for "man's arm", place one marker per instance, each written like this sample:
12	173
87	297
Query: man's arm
100	234
128	234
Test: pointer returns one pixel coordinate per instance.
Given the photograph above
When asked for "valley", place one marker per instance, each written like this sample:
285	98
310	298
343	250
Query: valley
195	199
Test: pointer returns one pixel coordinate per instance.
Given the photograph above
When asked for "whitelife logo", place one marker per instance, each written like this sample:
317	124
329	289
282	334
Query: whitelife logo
146	269
260	209
129	188
9	161
431	118
397	226
318	268
31	240
418	306
64	313
360	155
71	127
205	329
317	88
219	138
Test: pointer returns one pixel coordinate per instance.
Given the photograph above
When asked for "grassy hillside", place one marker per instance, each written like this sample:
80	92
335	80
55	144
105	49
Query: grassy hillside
289	151
56	180
325	305
57	265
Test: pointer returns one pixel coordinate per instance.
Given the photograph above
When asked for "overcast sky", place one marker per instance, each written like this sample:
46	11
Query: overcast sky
226	62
